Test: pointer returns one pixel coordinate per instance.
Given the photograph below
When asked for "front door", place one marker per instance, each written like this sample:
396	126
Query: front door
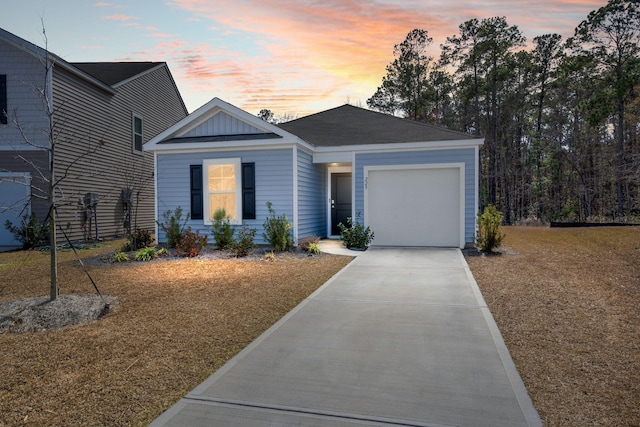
340	200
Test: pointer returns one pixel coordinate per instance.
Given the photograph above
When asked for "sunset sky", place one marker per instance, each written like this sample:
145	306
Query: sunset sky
292	57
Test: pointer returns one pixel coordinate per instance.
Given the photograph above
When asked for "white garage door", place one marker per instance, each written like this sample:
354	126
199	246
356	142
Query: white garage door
415	206
14	192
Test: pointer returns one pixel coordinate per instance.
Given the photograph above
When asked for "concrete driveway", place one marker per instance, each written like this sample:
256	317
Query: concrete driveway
401	336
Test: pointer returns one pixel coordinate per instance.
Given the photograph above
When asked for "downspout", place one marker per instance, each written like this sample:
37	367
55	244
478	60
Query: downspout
295	195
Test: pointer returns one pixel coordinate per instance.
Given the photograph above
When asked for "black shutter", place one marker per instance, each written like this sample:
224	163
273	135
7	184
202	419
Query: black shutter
196	191
4	109
248	191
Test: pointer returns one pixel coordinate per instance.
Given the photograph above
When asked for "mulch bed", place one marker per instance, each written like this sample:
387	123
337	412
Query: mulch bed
567	304
175	322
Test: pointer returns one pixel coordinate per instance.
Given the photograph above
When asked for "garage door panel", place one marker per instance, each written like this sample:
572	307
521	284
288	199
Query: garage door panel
414	207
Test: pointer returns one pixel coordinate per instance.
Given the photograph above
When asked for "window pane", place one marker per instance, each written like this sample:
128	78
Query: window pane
137	123
225	201
222	178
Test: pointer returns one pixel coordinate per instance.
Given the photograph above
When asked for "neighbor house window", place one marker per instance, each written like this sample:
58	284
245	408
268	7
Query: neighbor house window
222	188
4	108
137	134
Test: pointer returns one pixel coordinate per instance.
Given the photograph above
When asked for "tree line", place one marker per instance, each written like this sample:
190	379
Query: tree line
560	118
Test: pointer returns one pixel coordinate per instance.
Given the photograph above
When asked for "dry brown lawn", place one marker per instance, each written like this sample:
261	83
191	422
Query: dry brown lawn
567	302
176	323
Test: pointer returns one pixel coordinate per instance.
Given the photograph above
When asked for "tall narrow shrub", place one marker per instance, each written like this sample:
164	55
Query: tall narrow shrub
222	229
489	234
276	230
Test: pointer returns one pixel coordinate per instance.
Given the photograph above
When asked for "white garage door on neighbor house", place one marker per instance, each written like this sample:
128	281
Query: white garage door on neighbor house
14	200
419	205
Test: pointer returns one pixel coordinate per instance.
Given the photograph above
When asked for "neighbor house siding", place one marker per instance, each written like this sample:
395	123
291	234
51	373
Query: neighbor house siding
95	146
25	74
466	156
273	180
311	197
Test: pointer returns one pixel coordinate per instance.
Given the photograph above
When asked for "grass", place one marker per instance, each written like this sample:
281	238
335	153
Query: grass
175	324
567	304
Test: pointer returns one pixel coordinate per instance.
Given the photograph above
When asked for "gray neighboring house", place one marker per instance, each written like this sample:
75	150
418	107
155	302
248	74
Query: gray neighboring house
414	184
104	113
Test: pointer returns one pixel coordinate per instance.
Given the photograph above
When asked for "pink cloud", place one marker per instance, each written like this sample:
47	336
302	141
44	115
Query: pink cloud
119	17
338	47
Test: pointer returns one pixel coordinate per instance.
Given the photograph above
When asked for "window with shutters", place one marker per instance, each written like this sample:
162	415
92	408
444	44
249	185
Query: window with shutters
222	180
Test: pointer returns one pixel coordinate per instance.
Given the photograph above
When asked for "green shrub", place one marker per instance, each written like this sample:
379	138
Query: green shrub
191	243
145	254
489	234
355	234
173	226
162	252
120	257
140	239
222	229
31	233
276	230
244	243
314	249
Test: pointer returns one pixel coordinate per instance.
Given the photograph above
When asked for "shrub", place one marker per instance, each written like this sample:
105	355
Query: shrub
310	244
31	233
120	257
270	256
140	239
244	243
145	254
355	235
191	243
489	234
276	230
162	252
173	226
222	229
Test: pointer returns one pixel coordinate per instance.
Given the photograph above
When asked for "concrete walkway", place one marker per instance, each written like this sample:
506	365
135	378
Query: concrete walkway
399	337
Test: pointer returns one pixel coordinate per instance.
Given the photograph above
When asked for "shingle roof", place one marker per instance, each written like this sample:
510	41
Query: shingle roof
112	73
350	125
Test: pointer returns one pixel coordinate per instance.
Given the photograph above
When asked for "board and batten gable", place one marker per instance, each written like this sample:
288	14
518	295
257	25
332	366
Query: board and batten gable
273	183
96	144
466	156
222	124
312	196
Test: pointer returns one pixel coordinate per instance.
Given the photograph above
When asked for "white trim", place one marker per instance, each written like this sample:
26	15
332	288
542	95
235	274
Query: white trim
135	116
250	146
237	162
207	111
155	192
459	166
295	195
331	170
476	190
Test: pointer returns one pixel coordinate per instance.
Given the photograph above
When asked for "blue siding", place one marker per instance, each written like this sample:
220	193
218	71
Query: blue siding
466	156
312	191
274	183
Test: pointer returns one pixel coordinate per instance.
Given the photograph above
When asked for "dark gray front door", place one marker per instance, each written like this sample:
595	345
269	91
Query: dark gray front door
340	200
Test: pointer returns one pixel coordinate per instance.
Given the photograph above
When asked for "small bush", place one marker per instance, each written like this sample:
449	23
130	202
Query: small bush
31	233
140	239
173	226
162	252
310	244
270	256
191	243
355	234
145	254
120	257
222	229
489	234
276	230
244	243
